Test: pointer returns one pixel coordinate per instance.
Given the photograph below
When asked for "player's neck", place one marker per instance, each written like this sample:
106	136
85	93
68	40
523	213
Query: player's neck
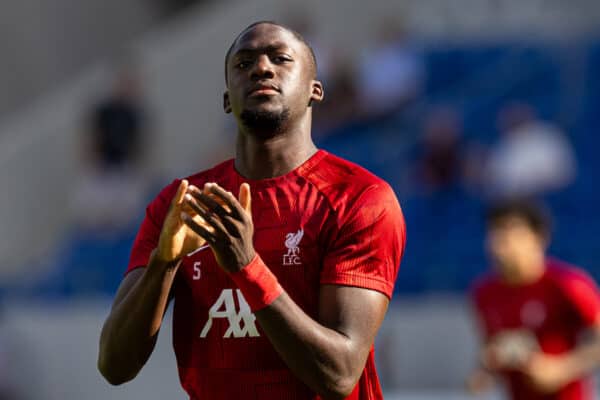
258	158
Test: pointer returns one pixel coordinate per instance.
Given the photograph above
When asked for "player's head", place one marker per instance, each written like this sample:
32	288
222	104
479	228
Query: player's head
518	232
270	73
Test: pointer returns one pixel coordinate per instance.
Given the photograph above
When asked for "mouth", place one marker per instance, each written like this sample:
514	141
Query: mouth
263	90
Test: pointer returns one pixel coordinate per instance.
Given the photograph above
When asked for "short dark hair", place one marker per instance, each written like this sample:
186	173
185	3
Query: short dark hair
533	213
297	35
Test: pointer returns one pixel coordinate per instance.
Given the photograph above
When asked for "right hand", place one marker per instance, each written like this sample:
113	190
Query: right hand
176	238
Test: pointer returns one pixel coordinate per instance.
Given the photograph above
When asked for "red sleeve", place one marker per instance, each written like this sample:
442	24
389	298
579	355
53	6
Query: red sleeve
369	244
147	236
583	295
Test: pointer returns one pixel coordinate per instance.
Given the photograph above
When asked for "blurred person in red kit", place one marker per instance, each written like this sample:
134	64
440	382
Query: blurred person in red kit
279	291
539	317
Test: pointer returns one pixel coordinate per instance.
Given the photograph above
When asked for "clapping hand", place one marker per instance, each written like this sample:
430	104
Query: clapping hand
225	224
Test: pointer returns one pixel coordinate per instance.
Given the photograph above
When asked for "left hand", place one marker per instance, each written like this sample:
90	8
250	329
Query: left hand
230	219
548	373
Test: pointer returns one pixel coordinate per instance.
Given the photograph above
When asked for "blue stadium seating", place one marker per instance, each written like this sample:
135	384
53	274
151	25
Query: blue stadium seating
445	232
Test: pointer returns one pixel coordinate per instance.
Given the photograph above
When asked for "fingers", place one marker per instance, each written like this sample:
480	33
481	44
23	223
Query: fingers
179	195
208	202
187	208
237	211
222	214
208	217
172	220
245	198
201	231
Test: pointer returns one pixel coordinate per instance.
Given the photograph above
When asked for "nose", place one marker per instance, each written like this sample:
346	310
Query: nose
263	68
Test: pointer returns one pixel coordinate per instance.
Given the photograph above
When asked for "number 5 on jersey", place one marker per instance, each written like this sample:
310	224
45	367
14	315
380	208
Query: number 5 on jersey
197	272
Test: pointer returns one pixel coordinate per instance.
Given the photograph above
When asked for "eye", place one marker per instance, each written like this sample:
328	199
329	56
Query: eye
282	58
242	64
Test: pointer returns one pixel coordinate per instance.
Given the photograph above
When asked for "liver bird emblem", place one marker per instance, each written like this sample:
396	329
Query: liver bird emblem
292	240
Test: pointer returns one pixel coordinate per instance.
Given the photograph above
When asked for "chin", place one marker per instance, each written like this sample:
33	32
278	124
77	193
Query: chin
265	121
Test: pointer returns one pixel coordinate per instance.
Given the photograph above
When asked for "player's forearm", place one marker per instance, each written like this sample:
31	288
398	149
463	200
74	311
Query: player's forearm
324	359
584	359
129	334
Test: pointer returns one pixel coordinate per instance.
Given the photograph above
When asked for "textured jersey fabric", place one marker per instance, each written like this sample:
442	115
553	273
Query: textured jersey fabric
327	222
557	309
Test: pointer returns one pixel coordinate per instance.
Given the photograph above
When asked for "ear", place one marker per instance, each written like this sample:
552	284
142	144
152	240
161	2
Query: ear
226	103
317	93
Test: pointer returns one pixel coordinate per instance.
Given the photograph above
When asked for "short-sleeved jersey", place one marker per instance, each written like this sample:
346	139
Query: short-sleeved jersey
327	222
557	309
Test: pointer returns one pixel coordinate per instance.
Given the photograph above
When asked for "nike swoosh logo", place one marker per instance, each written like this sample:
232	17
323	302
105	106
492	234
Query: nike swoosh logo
199	249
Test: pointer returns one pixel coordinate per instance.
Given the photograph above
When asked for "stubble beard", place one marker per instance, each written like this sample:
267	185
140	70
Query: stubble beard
265	124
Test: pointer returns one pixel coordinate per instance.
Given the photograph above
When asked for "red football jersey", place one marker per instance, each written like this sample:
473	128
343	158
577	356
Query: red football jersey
556	309
327	222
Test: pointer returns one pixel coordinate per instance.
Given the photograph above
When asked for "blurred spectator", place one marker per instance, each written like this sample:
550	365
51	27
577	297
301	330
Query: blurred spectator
390	73
111	190
533	156
116	124
440	165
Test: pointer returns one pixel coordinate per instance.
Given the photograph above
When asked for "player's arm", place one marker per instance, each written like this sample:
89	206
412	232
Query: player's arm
548	372
481	379
129	334
585	357
131	329
327	354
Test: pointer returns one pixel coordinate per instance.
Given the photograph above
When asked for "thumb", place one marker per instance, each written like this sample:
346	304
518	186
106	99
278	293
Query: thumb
177	200
173	218
245	198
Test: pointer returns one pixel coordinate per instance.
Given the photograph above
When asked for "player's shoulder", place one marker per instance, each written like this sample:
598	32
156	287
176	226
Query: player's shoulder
344	182
337	170
566	275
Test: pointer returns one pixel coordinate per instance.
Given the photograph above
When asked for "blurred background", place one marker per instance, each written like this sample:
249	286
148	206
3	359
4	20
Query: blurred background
456	104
